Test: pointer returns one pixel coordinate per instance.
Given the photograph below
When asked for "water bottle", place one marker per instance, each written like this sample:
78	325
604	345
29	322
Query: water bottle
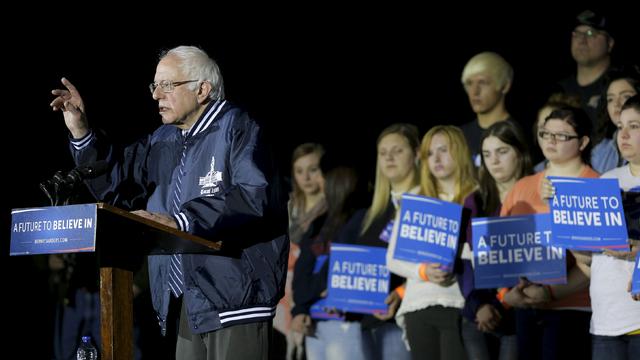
86	350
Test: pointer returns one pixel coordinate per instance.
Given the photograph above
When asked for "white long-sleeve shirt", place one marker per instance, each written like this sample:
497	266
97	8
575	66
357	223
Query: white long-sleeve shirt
419	294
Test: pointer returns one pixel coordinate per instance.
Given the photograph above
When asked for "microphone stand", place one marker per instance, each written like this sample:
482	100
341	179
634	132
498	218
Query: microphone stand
61	188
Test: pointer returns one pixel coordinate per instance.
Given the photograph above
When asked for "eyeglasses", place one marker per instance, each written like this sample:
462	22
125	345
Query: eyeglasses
589	34
559	137
167	86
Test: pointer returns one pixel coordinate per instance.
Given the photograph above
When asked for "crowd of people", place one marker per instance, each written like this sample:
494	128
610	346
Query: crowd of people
589	128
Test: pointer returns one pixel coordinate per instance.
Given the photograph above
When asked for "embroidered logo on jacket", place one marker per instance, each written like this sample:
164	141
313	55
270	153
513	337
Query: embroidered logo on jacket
209	182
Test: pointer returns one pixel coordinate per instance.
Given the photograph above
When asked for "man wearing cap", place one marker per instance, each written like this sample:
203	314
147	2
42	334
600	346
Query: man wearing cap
591	46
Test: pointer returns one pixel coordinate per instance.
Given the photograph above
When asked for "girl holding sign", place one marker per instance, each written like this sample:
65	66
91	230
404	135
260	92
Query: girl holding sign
488	328
564	140
430	310
615	324
326	339
396	173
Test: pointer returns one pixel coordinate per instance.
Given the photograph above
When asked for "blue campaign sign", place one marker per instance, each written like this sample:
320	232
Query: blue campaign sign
320	311
587	214
428	230
507	248
385	235
358	279
55	229
635	282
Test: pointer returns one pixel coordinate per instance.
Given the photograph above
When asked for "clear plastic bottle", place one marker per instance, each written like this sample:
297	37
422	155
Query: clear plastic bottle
86	350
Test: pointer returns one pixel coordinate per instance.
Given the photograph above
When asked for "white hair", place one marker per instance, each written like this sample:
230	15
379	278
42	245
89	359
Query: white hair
196	64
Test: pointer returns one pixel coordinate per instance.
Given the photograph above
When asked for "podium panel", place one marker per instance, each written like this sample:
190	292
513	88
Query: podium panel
120	240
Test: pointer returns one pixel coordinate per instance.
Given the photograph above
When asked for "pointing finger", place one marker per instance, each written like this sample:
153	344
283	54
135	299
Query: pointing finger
72	89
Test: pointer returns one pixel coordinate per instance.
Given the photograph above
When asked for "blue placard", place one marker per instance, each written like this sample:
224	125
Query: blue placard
635	282
320	260
55	229
385	235
319	311
428	230
587	214
507	248
358	279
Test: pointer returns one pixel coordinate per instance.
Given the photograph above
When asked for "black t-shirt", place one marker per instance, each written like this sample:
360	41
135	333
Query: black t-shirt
473	134
590	95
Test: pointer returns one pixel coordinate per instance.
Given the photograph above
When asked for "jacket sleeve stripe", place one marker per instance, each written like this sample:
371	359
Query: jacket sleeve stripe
80	144
248	316
243	311
183	222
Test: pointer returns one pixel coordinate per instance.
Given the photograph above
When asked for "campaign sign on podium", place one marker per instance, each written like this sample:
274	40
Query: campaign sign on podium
120	242
507	248
428	230
587	214
54	229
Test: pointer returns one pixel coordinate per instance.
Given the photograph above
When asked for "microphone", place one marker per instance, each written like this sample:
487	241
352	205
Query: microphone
60	187
90	171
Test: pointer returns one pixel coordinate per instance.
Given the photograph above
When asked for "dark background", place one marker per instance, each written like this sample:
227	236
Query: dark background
332	77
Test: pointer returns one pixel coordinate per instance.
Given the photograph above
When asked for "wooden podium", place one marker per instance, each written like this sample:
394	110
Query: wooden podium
122	240
117	232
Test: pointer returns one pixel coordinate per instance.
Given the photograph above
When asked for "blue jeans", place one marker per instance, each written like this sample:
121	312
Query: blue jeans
485	346
336	340
385	343
621	347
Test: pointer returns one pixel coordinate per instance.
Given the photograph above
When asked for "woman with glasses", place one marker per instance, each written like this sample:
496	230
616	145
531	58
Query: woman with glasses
554	102
552	332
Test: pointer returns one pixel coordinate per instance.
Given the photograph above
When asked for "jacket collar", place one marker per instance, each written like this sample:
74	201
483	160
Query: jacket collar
207	118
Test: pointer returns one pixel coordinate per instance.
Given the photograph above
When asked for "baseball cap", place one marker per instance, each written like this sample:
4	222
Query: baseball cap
596	21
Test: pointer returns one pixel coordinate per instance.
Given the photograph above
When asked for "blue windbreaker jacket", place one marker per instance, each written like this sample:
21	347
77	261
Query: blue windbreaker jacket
228	192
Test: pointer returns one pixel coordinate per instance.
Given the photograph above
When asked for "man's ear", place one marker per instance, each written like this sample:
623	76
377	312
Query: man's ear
505	88
204	89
